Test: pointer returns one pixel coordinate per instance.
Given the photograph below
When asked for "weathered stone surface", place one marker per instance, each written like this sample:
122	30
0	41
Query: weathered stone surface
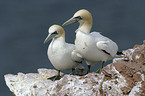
125	76
39	85
132	67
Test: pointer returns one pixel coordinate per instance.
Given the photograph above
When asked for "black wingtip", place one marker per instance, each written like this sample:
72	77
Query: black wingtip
106	52
119	53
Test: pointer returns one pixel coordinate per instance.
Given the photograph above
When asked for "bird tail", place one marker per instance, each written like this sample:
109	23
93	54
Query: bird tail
119	55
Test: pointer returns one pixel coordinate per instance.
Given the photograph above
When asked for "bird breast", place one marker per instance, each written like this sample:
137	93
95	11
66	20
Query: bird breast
60	56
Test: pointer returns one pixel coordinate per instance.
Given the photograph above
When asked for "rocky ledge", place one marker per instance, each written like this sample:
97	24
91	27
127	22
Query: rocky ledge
125	76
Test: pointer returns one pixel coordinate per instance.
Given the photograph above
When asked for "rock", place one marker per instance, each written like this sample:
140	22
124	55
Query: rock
38	84
125	76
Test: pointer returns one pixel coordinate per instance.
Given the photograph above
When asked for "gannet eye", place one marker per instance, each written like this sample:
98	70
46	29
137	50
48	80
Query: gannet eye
55	32
79	17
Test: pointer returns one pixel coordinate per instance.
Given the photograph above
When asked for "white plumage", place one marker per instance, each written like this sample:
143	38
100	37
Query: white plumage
62	55
93	46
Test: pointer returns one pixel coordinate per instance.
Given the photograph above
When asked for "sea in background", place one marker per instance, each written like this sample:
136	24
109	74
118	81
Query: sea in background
24	25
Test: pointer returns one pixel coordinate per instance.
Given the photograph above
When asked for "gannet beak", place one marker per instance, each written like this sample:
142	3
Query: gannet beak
71	20
49	37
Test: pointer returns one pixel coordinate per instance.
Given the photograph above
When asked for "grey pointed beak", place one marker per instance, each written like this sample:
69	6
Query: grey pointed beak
71	20
49	37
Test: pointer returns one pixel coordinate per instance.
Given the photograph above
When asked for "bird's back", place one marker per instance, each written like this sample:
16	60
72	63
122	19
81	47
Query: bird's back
112	47
86	44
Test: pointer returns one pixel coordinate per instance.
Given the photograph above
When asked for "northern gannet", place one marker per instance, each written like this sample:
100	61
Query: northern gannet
93	46
62	55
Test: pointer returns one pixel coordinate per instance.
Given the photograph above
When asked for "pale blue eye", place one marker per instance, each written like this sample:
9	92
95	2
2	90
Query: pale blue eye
55	32
79	17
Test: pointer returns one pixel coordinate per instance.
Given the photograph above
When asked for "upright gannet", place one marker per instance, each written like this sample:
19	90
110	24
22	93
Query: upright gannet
93	46
62	55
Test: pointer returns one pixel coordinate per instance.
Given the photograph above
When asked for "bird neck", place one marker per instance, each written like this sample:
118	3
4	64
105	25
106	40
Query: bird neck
60	39
85	26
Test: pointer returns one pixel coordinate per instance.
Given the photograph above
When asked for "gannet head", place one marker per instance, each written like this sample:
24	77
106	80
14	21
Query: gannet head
55	31
82	16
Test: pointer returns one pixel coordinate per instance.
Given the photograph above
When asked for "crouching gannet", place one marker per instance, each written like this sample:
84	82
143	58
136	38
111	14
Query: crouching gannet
62	55
93	46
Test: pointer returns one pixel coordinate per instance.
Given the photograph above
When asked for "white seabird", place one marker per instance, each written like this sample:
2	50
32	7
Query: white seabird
93	46
62	55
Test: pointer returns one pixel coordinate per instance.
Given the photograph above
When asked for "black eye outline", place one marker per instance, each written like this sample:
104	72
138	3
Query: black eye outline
55	32
79	17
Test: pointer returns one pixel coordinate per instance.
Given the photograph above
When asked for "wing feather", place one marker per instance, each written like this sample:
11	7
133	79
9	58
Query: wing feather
109	47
